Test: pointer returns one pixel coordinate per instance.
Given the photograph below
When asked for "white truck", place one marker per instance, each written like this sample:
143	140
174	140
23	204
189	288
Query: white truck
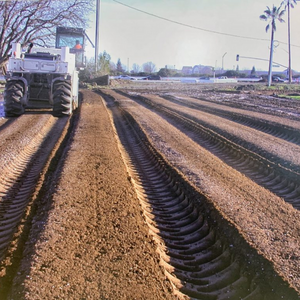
45	77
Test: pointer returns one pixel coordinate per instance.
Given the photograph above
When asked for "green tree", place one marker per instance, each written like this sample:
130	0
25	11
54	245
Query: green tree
272	15
119	66
289	4
232	73
253	71
30	21
104	64
103	68
165	72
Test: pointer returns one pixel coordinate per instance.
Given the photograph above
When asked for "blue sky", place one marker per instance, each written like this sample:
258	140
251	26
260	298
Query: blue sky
136	37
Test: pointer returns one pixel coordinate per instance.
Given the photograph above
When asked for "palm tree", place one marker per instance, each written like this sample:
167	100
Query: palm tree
272	15
289	4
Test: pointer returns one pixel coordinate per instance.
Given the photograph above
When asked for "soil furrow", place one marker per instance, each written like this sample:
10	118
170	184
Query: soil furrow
256	212
260	166
17	200
132	204
282	128
236	278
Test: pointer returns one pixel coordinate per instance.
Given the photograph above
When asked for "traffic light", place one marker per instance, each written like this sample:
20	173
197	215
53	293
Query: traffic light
237	57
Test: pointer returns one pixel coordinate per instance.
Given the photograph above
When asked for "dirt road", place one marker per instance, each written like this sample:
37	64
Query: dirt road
154	194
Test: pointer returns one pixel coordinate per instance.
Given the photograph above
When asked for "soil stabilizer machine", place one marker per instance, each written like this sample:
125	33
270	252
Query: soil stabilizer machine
45	77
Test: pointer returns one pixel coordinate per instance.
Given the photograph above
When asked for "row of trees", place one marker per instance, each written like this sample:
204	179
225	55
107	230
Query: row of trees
148	67
35	22
105	66
272	16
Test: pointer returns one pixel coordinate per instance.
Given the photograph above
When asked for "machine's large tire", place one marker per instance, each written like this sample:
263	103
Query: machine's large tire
62	98
13	93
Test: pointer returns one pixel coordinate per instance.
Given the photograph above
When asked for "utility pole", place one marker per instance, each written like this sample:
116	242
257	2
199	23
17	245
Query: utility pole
271	58
289	42
97	38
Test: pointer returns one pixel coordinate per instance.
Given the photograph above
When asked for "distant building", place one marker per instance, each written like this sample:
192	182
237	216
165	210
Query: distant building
210	71
198	69
186	70
204	70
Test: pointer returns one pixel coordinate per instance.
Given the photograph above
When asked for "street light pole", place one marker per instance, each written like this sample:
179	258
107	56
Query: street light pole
223	61
97	38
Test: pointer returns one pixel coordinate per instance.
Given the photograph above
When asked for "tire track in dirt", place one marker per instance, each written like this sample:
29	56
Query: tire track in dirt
263	218
259	165
28	146
197	260
255	101
88	239
257	121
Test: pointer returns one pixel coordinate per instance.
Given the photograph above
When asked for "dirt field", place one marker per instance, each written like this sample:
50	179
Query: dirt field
93	228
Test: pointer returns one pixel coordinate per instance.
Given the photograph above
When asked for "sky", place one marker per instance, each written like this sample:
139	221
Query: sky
136	37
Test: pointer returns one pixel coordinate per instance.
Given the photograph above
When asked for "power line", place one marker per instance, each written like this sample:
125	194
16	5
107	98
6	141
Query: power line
195	27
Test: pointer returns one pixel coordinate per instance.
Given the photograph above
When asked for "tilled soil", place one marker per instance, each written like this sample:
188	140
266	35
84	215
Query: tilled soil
264	218
89	238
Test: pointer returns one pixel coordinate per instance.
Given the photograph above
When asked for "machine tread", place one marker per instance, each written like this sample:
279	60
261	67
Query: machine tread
62	98
13	93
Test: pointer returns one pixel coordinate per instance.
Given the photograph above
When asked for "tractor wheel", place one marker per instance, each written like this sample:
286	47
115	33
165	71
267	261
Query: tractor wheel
13	93
62	98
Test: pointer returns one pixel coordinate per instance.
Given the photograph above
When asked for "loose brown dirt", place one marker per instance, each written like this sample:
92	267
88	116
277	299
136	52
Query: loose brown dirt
89	239
263	218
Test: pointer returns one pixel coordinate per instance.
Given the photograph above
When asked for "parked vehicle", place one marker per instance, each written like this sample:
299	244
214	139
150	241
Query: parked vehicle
124	77
277	79
152	77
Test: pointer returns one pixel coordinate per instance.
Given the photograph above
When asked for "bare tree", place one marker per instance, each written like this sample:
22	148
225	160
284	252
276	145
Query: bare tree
30	21
112	66
136	68
149	67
